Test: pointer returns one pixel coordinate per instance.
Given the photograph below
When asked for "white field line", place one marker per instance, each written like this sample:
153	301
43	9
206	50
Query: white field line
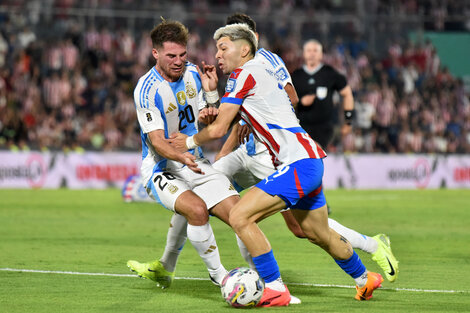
198	278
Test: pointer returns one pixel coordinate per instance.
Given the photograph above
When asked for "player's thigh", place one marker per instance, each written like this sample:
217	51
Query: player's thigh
222	209
254	206
212	187
230	164
166	187
260	165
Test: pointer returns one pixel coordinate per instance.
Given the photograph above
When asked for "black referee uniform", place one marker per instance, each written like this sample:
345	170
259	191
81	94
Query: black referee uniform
319	118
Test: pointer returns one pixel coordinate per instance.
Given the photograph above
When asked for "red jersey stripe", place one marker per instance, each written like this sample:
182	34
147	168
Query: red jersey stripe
249	84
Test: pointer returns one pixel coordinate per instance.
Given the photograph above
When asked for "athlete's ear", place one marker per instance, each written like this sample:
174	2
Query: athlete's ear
245	50
155	53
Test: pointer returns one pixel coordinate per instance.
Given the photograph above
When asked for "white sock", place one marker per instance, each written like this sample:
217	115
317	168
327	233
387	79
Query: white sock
361	280
203	240
245	253
277	284
175	240
357	240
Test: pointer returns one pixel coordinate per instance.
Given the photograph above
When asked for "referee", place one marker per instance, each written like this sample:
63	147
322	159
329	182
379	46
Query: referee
315	84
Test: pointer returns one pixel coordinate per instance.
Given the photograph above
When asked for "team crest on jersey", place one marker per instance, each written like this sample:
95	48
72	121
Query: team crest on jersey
311	81
149	117
190	91
230	85
181	96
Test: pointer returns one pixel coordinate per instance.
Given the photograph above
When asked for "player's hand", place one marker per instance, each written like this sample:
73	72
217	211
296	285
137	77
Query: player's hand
209	78
244	132
178	141
188	160
208	115
307	100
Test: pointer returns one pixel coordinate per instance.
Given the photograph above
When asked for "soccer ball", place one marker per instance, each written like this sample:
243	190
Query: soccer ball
242	287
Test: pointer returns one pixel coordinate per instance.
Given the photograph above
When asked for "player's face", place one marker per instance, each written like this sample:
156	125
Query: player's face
313	53
171	59
229	54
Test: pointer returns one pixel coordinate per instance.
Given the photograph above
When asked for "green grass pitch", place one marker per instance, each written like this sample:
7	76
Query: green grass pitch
93	231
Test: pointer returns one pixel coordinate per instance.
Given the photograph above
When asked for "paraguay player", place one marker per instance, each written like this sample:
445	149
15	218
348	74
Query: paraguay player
254	93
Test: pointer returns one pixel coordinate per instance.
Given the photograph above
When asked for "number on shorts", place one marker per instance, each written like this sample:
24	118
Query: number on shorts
159	178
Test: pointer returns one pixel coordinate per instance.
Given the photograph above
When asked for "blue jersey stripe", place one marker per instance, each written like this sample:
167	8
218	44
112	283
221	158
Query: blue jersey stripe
159	105
142	88
231	100
294	130
145	148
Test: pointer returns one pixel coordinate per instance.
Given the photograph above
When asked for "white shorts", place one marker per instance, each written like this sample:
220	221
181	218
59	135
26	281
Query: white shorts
245	170
212	187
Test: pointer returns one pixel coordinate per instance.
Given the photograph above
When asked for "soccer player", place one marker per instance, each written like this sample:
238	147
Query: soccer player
254	92
168	99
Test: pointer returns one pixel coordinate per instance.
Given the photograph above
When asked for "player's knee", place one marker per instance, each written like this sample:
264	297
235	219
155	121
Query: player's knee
198	215
317	240
236	220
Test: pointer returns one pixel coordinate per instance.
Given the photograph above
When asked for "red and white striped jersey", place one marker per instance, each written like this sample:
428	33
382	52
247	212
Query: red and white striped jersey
266	107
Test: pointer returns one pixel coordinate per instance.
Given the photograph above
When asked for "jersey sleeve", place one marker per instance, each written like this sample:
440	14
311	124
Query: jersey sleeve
149	114
277	65
339	81
238	87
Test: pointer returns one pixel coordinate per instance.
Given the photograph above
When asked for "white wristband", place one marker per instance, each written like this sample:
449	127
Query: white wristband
190	144
211	96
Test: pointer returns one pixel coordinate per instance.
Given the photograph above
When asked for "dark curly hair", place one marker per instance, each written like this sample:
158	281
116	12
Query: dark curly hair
169	31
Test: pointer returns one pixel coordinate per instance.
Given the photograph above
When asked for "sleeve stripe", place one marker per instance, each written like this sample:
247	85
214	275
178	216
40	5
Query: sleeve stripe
269	58
231	100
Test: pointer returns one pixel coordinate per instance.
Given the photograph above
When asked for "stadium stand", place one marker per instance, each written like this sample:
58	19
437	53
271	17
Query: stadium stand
68	68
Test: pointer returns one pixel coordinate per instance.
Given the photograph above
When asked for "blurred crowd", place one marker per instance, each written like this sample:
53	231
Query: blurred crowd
67	84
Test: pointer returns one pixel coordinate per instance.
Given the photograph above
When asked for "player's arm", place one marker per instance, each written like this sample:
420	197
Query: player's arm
294	98
230	144
228	114
163	148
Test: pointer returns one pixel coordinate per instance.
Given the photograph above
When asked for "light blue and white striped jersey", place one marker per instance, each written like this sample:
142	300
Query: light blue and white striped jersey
171	106
277	65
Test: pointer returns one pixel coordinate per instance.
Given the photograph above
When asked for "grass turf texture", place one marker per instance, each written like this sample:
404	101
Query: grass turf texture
94	231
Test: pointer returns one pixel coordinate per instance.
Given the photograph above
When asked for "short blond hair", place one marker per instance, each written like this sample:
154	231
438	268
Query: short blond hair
238	32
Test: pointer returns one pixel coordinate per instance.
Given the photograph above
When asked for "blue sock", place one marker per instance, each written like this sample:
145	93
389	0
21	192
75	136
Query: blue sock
267	267
353	266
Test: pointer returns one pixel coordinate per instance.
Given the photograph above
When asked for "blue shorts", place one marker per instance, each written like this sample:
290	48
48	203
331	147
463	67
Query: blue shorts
299	184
